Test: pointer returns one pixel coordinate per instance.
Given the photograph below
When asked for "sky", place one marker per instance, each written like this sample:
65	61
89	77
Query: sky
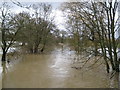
37	0
59	19
53	0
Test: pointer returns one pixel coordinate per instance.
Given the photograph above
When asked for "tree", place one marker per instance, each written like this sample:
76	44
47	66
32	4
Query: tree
99	21
7	29
43	24
75	26
36	28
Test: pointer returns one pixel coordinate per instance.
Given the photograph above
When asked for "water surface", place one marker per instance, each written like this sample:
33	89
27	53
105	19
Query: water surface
53	70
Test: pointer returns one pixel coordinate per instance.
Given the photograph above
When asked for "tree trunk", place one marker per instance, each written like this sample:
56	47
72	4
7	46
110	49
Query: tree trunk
43	48
96	48
117	67
4	56
31	50
36	49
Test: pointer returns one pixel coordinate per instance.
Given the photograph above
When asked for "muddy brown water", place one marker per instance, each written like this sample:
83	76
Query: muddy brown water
53	70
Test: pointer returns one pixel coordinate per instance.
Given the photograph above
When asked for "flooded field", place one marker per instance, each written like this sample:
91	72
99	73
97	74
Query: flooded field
53	70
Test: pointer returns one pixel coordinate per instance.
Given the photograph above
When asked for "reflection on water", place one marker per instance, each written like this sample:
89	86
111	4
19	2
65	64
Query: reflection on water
54	71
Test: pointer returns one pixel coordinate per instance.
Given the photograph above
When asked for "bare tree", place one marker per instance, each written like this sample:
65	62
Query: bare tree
100	22
7	29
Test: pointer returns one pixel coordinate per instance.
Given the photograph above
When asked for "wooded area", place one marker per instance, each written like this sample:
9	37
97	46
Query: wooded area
91	28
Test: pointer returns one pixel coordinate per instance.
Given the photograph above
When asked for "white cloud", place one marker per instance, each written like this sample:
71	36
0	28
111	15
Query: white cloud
59	19
35	0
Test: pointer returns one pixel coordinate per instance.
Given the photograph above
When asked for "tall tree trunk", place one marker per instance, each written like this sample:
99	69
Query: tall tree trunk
43	46
96	48
30	50
117	67
4	56
36	49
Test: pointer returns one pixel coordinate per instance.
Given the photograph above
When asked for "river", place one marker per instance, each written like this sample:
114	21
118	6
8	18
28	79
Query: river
53	70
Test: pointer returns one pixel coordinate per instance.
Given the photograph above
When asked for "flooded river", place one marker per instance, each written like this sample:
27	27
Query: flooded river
53	70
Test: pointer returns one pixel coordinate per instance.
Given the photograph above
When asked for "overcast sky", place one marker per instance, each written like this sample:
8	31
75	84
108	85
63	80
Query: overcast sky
37	0
59	19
